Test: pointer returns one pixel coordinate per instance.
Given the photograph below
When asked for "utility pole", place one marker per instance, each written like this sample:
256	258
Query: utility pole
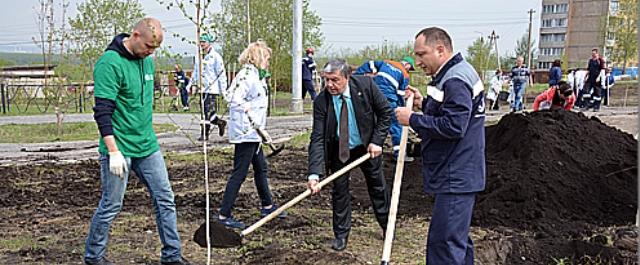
296	74
531	11
494	39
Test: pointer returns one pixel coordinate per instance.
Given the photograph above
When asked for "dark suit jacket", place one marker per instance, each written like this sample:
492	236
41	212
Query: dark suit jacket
373	116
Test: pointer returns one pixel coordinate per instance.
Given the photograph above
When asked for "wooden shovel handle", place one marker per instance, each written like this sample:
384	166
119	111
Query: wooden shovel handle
305	194
395	194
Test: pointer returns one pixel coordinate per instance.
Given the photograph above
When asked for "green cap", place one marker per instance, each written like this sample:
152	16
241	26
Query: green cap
206	37
409	60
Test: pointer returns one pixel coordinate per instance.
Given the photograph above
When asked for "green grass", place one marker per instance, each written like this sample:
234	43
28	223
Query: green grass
47	132
300	140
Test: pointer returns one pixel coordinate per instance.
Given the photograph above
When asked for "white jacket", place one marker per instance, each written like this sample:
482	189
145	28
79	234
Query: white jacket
215	78
495	87
247	92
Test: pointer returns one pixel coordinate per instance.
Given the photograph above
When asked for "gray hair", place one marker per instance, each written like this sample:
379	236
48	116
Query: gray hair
339	65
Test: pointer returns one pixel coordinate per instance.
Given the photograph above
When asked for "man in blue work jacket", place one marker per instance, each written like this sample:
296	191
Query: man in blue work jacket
451	127
392	78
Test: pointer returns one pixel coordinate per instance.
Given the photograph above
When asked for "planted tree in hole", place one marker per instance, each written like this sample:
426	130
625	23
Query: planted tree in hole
52	33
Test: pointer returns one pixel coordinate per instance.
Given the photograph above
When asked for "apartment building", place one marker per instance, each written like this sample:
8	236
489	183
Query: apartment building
569	29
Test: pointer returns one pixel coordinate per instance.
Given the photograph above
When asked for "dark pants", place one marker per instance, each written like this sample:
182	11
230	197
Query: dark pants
596	94
184	96
245	154
449	241
341	198
210	109
307	86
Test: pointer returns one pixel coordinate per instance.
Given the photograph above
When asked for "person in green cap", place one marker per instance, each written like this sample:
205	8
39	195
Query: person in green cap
392	78
214	82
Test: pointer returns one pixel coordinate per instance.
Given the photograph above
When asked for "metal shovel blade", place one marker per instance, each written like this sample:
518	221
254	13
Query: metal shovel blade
220	236
275	150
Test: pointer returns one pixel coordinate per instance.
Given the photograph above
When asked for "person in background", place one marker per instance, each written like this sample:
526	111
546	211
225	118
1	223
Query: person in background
214	82
555	73
494	90
248	103
556	97
595	77
308	70
520	76
580	77
123	110
609	81
181	82
392	78
351	118
451	127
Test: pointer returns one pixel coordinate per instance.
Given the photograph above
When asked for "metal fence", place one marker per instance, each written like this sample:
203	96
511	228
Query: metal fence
33	99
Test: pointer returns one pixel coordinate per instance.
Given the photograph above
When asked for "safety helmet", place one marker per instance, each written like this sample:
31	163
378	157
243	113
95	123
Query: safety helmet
309	50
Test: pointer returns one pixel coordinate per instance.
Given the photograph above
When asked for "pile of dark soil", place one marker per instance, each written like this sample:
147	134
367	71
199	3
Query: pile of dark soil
545	169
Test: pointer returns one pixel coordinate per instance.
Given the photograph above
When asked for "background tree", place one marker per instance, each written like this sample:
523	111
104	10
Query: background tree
95	25
624	25
271	21
521	50
480	56
49	37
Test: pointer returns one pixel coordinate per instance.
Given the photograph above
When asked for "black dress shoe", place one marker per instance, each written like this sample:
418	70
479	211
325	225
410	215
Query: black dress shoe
339	244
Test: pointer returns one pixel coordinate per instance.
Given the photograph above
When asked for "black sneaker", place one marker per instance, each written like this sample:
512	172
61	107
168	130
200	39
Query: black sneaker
264	212
231	222
221	126
101	261
181	261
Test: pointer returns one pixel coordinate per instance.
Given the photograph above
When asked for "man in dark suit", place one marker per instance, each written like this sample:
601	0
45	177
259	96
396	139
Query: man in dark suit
351	117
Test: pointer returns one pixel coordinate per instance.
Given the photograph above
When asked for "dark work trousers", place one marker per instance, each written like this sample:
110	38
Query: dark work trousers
245	154
449	241
596	94
307	86
341	198
184	96
210	109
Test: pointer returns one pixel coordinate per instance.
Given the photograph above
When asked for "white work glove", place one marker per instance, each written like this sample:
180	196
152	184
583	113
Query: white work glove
117	164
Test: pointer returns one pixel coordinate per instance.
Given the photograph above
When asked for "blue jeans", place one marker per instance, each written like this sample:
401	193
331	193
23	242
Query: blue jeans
245	154
152	172
518	92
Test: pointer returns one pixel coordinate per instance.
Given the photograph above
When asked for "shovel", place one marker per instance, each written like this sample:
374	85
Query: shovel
266	138
222	237
395	194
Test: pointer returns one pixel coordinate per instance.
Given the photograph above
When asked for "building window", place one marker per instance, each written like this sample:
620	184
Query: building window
562	8
561	22
547	23
547	9
614	6
544	65
556	37
559	37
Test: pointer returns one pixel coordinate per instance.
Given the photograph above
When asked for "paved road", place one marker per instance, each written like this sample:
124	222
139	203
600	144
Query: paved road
183	140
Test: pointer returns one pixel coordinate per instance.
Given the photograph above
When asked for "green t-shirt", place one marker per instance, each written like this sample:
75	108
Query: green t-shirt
130	84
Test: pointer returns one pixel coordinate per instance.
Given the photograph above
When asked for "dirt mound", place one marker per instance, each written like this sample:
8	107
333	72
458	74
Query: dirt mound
548	169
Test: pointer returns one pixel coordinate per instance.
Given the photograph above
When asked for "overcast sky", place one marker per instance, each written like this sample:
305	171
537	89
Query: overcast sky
346	24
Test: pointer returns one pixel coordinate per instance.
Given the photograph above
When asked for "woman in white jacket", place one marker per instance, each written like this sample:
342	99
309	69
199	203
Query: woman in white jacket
494	90
247	97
